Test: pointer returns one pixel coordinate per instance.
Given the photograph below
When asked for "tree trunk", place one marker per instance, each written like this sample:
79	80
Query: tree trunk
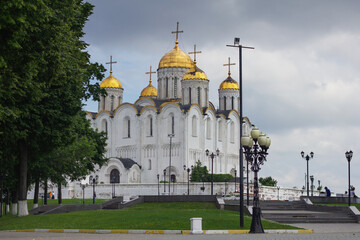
14	200
45	192
36	193
22	190
1	195
59	193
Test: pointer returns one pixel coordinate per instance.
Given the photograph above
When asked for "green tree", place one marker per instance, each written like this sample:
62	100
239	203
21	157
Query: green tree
45	74
268	181
199	173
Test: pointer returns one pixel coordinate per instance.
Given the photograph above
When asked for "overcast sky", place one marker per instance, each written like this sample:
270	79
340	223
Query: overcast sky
300	83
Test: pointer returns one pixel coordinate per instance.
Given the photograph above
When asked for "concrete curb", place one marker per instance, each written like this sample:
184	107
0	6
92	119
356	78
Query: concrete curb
180	232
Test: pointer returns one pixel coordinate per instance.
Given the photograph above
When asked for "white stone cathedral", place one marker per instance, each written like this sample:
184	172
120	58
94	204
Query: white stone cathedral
178	115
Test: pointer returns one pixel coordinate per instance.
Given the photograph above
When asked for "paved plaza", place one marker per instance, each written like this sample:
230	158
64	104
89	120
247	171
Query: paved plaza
321	232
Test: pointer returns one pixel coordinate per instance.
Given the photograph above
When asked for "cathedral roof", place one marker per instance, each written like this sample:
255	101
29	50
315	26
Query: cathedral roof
195	73
149	91
175	58
127	162
229	83
111	82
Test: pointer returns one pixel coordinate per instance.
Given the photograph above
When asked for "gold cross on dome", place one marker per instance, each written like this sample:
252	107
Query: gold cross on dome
195	52
229	64
177	32
150	74
111	63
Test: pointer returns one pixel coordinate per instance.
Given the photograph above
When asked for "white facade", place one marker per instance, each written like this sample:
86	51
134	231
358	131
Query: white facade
138	133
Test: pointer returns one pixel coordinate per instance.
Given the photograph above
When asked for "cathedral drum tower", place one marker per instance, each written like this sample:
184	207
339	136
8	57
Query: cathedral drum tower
229	96
172	67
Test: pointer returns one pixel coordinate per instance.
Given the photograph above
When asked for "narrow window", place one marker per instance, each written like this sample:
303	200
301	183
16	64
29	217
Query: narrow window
103	105
119	100
167	87
232	132
208	129
112	103
172	125
194	126
224	103
149	164
198	92
128	132
106	127
151	126
189	95
175	87
232	102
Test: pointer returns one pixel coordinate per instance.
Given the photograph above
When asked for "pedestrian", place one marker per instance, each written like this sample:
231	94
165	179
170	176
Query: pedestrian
352	192
53	195
94	196
50	195
328	193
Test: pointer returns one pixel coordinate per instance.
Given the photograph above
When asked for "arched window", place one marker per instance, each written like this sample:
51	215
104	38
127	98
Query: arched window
224	103
189	95
208	128
167	86
119	100
126	128
103	102
194	126
114	176
220	131
199	97
104	127
232	102
175	87
232	132
149	164
149	126
112	103
171	124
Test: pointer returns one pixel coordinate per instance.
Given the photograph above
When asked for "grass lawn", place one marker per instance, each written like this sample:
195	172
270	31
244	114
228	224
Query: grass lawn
65	201
357	205
150	216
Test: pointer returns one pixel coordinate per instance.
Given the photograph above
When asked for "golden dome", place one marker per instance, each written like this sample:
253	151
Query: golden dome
175	58
149	91
194	73
111	82
229	83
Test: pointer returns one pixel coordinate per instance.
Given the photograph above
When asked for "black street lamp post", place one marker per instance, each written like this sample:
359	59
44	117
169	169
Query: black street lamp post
256	156
235	181
93	180
348	156
312	185
212	155
188	178
171	135
307	158
164	180
83	185
278	188
247	184
158	180
241	163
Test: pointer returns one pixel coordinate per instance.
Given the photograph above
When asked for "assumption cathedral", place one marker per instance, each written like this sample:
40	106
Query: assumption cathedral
169	128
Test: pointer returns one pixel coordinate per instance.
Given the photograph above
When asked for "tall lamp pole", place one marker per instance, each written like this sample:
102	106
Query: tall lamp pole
235	180
256	155
212	155
348	156
241	164
164	171
307	158
171	135
158	179
312	185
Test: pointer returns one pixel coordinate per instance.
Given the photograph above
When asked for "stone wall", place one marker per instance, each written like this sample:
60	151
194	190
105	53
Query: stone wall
104	191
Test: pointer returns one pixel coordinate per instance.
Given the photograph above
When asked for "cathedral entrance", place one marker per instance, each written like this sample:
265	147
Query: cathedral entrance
114	176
